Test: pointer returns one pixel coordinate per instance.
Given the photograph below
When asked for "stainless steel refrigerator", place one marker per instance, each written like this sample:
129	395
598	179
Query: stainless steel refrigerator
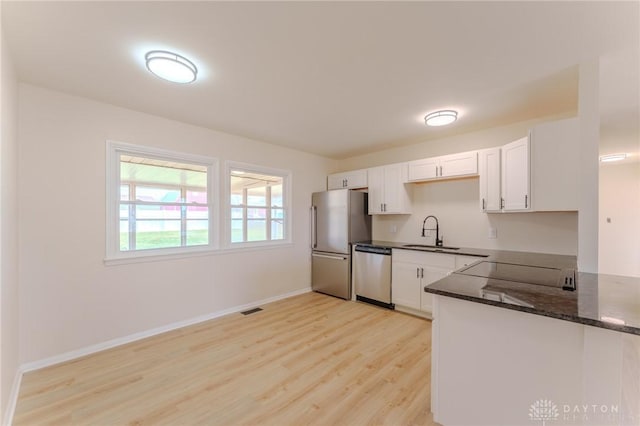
338	219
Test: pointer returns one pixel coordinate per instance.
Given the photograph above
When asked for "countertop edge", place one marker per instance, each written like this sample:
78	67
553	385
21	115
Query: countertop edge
533	311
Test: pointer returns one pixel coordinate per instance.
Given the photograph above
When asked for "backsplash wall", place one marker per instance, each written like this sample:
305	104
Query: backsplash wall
456	205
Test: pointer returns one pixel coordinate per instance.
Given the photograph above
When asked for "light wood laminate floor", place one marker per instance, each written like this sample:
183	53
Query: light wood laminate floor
309	359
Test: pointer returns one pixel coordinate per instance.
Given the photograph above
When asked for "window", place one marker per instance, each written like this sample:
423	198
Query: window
258	205
159	202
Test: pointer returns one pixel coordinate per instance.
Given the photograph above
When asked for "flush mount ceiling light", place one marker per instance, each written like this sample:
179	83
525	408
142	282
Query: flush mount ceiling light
171	66
440	118
612	157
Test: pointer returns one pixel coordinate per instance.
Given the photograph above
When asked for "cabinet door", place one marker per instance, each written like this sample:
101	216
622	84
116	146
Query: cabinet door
336	181
376	180
430	275
405	284
463	164
427	168
351	179
515	175
394	200
356	179
489	165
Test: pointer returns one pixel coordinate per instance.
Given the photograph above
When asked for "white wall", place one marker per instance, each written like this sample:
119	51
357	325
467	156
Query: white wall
69	298
462	223
589	112
8	227
456	202
485	138
619	239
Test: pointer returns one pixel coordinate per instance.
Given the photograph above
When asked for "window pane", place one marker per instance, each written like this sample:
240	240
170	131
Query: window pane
197	232
236	213
158	195
199	197
157	212
277	230
124	211
237	187
256	230
124	235
152	234
276	196
198	212
162	200
236	231
262	196
150	171
256	213
257	196
124	192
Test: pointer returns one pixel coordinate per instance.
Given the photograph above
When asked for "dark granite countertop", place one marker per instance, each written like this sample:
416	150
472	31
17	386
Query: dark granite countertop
605	301
505	256
464	251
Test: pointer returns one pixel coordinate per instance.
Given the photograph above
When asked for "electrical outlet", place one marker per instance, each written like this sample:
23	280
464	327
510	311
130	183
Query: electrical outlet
393	228
493	233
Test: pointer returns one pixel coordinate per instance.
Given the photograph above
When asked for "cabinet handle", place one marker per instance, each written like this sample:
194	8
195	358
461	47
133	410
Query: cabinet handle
526	201
502	203
421	272
440	171
417	272
483	207
436	171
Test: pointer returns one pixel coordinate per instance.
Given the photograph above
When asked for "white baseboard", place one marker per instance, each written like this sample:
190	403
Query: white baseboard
67	356
13	399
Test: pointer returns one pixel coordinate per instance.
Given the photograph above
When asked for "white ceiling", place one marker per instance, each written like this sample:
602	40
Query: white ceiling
332	78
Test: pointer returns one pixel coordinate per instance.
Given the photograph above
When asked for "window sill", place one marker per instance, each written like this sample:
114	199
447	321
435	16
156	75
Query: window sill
159	257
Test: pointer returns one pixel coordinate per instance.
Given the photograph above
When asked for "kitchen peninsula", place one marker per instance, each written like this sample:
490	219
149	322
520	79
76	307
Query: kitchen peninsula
509	351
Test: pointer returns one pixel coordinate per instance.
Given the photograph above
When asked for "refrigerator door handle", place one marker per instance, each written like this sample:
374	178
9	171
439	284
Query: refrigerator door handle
314	227
327	256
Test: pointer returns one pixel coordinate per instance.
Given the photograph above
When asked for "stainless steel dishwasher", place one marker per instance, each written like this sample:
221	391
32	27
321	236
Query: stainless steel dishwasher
372	275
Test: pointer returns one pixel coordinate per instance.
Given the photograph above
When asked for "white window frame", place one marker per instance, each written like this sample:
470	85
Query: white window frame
286	194
113	253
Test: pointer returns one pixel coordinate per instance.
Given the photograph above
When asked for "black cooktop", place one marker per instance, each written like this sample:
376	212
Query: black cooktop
551	277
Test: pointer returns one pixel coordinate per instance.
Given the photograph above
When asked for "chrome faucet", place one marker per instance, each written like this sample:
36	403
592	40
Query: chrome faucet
439	241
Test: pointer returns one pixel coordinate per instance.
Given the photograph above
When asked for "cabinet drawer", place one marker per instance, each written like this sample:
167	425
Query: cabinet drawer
437	260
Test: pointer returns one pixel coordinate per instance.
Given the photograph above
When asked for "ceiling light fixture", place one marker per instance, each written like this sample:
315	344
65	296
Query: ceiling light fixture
171	66
441	118
612	157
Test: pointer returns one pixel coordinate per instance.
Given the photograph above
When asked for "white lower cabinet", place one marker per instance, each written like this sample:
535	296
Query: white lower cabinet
412	270
430	275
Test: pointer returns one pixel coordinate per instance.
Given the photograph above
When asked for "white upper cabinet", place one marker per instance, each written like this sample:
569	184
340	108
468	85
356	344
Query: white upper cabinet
427	168
515	176
463	164
489	166
351	180
446	166
388	193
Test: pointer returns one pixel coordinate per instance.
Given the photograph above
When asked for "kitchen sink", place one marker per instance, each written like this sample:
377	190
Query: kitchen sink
424	246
